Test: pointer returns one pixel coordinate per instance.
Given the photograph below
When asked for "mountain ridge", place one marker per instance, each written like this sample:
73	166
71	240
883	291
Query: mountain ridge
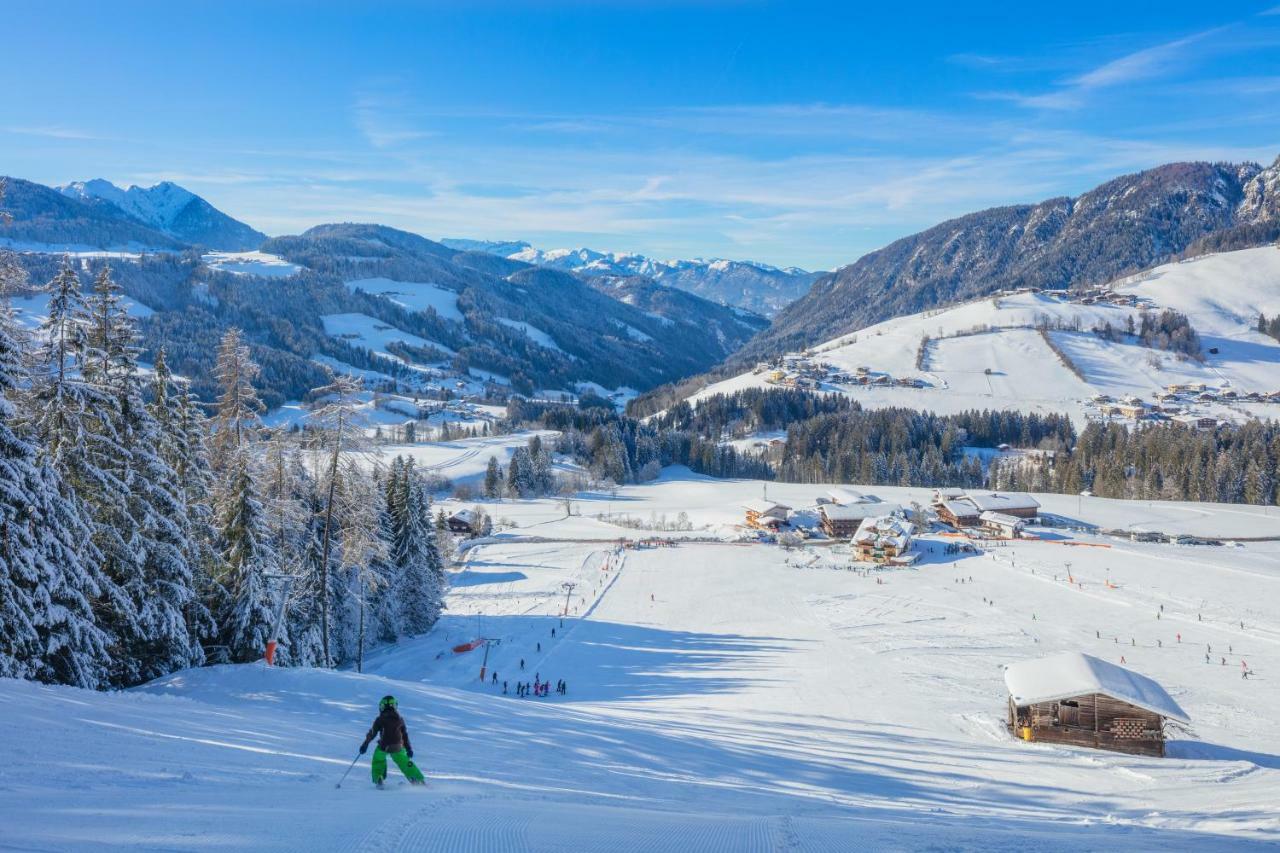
172	210
752	285
1120	227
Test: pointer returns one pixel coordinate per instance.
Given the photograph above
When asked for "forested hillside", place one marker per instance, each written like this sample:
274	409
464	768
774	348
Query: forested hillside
1121	227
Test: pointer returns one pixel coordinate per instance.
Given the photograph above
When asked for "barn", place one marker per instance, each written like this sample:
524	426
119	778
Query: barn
1081	700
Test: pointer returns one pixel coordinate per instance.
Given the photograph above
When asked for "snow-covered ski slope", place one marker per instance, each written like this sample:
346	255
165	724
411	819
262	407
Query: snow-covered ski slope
722	697
988	353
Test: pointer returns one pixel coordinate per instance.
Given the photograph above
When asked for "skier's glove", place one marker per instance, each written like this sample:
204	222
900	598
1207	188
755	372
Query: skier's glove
363	748
410	753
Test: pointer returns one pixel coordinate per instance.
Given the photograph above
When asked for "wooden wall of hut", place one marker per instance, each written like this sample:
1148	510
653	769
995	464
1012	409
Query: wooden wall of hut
1091	720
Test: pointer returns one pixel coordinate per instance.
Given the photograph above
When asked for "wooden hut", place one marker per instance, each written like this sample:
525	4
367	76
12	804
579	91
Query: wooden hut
1077	699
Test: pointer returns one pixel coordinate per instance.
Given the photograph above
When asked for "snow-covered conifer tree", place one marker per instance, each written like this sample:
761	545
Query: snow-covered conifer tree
419	583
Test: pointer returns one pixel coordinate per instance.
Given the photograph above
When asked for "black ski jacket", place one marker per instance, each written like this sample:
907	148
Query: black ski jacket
390	730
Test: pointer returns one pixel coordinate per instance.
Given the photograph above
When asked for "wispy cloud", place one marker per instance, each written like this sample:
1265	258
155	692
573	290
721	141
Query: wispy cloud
52	132
381	119
1141	65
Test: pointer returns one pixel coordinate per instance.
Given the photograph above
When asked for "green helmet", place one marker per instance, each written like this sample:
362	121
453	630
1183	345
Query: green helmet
386	702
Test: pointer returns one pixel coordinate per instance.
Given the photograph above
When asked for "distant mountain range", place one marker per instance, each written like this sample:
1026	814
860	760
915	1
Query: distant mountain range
756	287
392	305
1121	227
98	215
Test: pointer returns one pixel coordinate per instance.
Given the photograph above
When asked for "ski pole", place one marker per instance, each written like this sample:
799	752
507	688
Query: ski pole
348	770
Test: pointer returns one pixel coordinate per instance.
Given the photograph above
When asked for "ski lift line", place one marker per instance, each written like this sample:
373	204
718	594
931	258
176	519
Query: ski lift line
540	663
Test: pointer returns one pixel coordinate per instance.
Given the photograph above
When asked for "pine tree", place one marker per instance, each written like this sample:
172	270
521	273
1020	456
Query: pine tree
342	440
182	431
238	407
493	479
153	529
249	559
419	583
47	628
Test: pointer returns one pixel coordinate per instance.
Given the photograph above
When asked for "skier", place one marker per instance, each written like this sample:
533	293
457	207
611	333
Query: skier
495	677
522	664
393	740
504	688
553	632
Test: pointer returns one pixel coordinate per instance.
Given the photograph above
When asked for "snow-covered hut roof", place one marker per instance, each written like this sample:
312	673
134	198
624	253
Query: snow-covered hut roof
464	515
856	512
764	507
948	493
841	495
1003	501
1075	674
1002	519
960	508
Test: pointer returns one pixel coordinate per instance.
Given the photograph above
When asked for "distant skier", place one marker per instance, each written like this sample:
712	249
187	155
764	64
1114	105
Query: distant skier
495	677
553	632
393	740
504	688
522	664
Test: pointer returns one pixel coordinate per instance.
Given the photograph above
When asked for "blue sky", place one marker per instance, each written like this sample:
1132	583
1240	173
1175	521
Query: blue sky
793	133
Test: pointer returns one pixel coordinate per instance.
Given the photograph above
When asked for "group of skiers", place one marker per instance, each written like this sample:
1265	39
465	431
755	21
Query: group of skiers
538	687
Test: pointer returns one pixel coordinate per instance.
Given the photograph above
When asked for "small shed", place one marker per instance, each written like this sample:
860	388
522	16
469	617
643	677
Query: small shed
1081	700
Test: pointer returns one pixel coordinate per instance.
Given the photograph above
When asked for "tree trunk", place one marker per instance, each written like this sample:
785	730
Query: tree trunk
324	562
360	642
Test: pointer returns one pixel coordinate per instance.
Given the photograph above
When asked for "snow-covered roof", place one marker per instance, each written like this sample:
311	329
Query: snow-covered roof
841	495
464	515
1075	674
856	512
950	492
763	507
886	530
960	508
1001	518
1003	501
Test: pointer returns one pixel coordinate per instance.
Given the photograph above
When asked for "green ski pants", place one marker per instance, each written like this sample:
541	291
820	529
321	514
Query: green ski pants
402	760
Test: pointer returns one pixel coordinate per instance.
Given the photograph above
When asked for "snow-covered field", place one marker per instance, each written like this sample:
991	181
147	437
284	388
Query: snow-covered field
721	697
372	334
255	263
413	295
987	353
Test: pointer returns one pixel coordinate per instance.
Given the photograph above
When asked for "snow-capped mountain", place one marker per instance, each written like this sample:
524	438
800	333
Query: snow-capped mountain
757	287
172	210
